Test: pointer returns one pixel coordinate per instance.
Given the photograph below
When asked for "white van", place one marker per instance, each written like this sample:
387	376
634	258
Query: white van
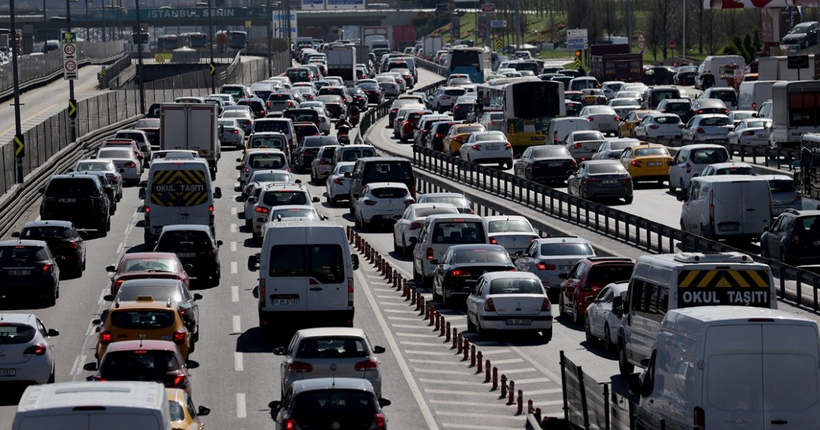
305	276
690	160
177	191
560	128
731	367
727	207
752	95
664	282
118	405
438	234
717	65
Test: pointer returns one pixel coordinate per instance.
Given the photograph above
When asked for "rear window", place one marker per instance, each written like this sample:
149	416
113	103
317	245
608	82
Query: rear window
302	116
138	365
606	168
678	107
469	129
551	249
550	151
299	74
621	145
323	262
388	171
510	226
458	232
268	142
294	213
272	177
267	161
139	137
148	319
354	154
149	264
71	186
277	126
645	152
715	120
669	119
389	193
516	286
607	273
481	256
280	97
95	166
331	347
328	152
735	171
15	333
114	153
176	241
160	293
425	212
147	123
709	156
177	414
727	96
586	136
781	185
492	136
455	92
311	408
12	255
279	198
40	233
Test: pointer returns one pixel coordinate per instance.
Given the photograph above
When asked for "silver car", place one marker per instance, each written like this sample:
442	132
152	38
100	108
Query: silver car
551	257
710	127
601	118
320	166
337	185
232	133
330	352
784	194
751	132
106	166
513	232
583	144
125	161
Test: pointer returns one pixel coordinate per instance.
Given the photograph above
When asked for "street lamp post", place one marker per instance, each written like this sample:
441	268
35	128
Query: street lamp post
18	128
210	41
269	19
87	25
139	61
70	81
104	26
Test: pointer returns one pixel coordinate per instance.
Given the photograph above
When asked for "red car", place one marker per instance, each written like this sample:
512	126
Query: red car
408	126
583	282
304	129
145	360
147	265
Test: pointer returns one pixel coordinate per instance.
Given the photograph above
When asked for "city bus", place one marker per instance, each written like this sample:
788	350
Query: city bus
231	40
528	103
474	62
135	48
167	43
197	41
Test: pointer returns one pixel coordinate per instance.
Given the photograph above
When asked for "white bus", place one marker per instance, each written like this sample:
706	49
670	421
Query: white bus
474	62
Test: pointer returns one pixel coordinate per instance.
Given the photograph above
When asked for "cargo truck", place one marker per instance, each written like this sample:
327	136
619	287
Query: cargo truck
341	61
193	127
777	69
431	45
794	107
614	62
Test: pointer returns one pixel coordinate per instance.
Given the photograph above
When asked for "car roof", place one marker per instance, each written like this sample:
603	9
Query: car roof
50	223
321	384
143	304
505	217
132	345
24	242
449	217
426	195
331	331
486	246
186	227
19	318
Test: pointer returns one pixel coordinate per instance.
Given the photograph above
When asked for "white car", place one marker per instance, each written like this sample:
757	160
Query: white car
611	88
445	97
582	145
337	185
338	352
623	106
509	301
320	166
513	232
300	212
227	99
232	133
707	128
603	315
124	159
601	118
412	220
456	199
728	168
739	115
106	166
751	132
389	86
28	354
488	147
660	126
381	202
552	256
272	195
270	175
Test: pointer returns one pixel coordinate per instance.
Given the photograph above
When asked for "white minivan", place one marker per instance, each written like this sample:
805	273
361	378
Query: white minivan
560	128
305	276
663	282
438	234
124	405
753	94
731	367
690	160
177	191
727	207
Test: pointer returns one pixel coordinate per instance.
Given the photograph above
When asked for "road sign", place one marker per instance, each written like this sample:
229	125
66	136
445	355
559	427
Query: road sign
70	49
577	62
641	38
489	7
72	108
577	39
672	45
498	23
68	37
739	75
798	62
19	146
212	68
499	44
578	32
248	24
69	57
641	45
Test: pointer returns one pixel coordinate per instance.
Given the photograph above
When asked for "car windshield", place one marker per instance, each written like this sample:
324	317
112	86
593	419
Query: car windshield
14	255
516	286
781	185
11	333
266	161
271	177
481	255
389	193
268	142
331	347
115	153
601	110
147	123
587	136
142	319
571	248
492	136
294	213
39	233
94	166
160	293
510	226
330	408
138	365
737	170
668	119
177	414
344	169
182	241
758	124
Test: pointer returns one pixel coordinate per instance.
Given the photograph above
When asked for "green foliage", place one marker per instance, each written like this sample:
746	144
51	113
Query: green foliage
739	48
756	42
730	50
750	49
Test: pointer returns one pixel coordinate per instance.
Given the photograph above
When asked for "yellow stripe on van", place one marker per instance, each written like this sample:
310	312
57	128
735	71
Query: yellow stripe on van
688	277
723	279
738	279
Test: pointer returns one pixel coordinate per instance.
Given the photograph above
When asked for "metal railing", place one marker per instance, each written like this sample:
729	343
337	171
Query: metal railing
780	158
587	402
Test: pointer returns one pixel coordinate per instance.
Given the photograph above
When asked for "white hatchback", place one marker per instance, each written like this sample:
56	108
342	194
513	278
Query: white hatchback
660	125
488	147
381	202
412	220
28	354
602	118
337	185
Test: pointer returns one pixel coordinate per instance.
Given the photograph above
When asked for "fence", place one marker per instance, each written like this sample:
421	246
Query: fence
776	157
34	70
588	403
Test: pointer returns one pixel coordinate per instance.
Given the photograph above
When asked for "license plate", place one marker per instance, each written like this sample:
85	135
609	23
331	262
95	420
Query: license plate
65	200
19	272
166	337
729	228
654	163
610	182
554	164
187	254
519	321
492	148
8	372
285	302
564	267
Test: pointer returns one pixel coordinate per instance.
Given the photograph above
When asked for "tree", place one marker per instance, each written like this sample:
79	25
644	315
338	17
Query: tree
756	42
660	18
750	49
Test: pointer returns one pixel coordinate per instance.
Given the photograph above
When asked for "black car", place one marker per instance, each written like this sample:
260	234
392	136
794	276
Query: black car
438	130
803	35
658	75
793	238
302	115
462	108
360	98
573	107
594	179
545	164
109	187
79	198
194	245
373	91
63	240
163	290
685	75
704	106
461	266
257	106
305	154
679	107
29	270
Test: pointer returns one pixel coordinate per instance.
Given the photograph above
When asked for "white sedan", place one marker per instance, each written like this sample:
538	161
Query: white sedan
279	213
124	160
751	132
509	301
603	315
513	232
412	220
337	185
381	202
660	125
602	118
488	147
28	353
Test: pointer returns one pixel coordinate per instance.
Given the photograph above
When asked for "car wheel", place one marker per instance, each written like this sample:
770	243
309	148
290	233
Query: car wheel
191	346
546	335
470	325
588	331
624	366
482	333
629	199
560	304
607	339
576	313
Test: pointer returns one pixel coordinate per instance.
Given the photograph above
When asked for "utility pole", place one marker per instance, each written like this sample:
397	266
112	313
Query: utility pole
87	25
683	62
629	23
287	30
518	24
269	20
140	68
18	128
211	44
70	81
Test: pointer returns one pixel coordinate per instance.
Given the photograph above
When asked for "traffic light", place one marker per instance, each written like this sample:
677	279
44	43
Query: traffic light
578	53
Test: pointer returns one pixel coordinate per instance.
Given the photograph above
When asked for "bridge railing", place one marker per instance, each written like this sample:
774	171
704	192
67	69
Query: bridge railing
36	69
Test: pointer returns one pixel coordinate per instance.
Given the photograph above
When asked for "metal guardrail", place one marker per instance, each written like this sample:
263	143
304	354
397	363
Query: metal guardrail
772	157
34	70
587	402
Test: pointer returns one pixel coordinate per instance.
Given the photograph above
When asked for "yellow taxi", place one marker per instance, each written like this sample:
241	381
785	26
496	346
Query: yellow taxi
144	318
627	126
184	416
457	135
647	162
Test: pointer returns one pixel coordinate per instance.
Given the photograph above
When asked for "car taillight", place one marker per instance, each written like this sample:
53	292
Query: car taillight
545	305
412	190
38	349
267	104
262	295
116	286
508	146
350	294
700	111
371	364
414	225
300	367
493	241
106	337
212	253
654	127
429	253
489	306
179	381
131	164
681	126
261	210
711	208
544	266
290	424
748	133
235	131
179	337
459	273
370	202
617	118
338	181
576	145
69	245
700	418
726	111
754	106
476	147
636	163
590	119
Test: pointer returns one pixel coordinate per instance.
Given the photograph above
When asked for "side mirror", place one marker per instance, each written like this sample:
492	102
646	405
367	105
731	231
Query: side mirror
379	349
143	148
188	267
253	262
634	383
670	163
276	405
315	200
253	199
221	130
217	193
413	240
384	402
197	297
52	333
590	299
347	175
765	228
355	259
41	190
142	184
644	362
141	194
15	234
110	268
108	297
695	175
280	350
238	160
96	323
238	167
203	411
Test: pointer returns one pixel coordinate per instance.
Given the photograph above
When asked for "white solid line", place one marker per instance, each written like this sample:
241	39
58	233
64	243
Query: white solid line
493	351
391	297
74	366
233	246
233	211
100	300
532	381
396	303
451	354
402	318
237	326
441	381
241	411
430	421
475	427
484	416
399	311
405	326
412	335
508	361
481	404
119	248
238	365
439	371
234	293
234	267
233	228
517	371
438	362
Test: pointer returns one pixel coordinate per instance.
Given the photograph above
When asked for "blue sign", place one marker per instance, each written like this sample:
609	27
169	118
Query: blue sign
498	24
345	4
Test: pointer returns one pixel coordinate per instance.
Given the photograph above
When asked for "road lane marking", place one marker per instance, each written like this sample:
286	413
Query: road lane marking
74	366
428	352
234	293
509	361
439	371
399	311
119	248
413	335
233	228
475	427
405	326
532	381
238	365
233	246
438	362
237	326
233	211
241	410
397	353
402	318
100	300
234	268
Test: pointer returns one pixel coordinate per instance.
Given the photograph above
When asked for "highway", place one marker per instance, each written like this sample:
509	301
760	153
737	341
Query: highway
237	375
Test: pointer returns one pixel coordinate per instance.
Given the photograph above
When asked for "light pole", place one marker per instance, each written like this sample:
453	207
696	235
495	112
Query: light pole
18	128
104	26
70	81
212	66
87	25
139	61
269	19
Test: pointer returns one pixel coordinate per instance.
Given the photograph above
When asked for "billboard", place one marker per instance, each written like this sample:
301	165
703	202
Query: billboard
280	23
345	4
753	4
313	4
